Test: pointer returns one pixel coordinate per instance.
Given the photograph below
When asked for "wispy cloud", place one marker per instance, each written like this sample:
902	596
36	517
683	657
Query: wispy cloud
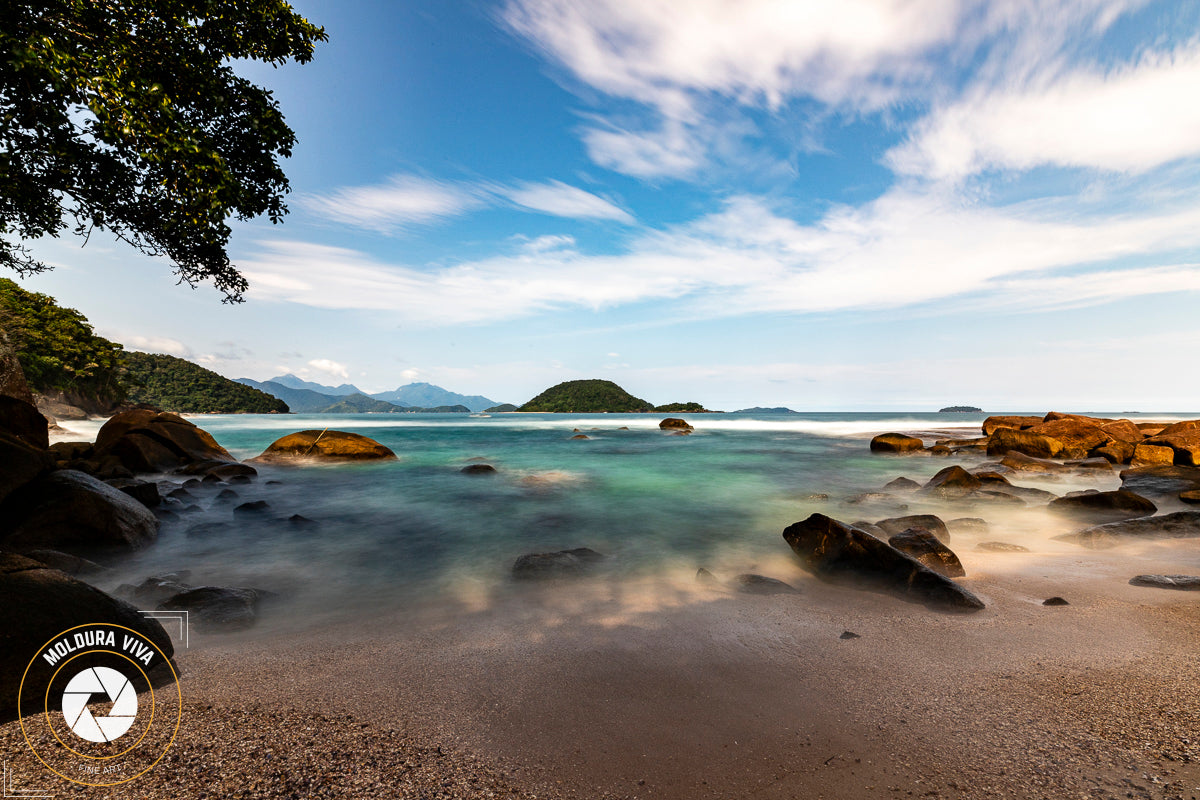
153	344
562	200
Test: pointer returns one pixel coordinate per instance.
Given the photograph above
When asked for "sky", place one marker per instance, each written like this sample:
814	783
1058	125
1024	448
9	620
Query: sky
860	205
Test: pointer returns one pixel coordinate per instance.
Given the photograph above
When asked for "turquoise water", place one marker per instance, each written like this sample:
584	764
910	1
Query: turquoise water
417	528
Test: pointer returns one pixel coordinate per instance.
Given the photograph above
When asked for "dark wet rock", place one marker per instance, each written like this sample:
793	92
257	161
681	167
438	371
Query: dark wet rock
705	577
274	483
581	436
144	492
831	549
253	508
192	483
1001	547
1007	440
929	522
1157	481
65	562
478	469
22	420
212	480
951	483
871	528
1026	463
674	423
180	494
1191	496
301	521
217	607
69	510
761	584
40	603
967	525
995	497
220	470
325	445
1029	494
1055	601
226	496
901	484
20	464
992	424
1180	525
928	549
896	443
1186	583
560	564
155	589
153	441
191	508
240	480
203	530
165	514
940	451
70	451
849	635
1104	506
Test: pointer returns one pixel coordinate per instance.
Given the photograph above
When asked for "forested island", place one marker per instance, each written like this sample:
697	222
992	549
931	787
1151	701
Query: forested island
595	396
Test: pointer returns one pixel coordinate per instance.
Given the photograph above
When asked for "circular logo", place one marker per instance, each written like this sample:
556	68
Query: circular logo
100	704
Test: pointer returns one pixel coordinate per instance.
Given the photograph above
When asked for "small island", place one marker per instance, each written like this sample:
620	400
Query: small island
761	410
595	396
960	410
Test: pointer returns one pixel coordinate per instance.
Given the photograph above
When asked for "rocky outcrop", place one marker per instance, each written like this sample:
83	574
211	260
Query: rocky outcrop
1148	454
153	441
1180	525
69	510
1104	506
12	377
925	547
674	424
325	445
1078	435
560	564
1006	440
993	424
39	603
1184	444
831	549
896	443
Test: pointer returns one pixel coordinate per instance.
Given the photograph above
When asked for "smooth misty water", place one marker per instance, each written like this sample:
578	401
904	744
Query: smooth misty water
396	532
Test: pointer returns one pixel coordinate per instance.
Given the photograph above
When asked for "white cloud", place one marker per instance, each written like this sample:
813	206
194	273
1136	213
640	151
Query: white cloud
324	365
154	344
1132	118
669	152
403	200
561	200
410	375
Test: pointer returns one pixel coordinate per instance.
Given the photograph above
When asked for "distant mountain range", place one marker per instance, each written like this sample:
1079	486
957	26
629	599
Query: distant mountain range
306	397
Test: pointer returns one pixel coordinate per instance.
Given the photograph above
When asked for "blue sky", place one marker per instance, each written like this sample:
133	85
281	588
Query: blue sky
868	204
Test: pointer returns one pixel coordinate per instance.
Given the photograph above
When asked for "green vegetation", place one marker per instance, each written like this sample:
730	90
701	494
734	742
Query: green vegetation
503	408
586	397
359	404
681	408
175	384
961	410
127	115
57	348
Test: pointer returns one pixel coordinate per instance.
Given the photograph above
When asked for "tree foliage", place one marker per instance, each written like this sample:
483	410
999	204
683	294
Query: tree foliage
586	397
127	116
175	384
57	348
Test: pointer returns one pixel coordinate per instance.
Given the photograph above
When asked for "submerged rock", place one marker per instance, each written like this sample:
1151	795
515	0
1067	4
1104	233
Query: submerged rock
325	445
1180	525
832	549
1001	547
1104	506
1026	463
1187	583
901	484
967	525
761	584
1157	481
896	443
217	607
478	469
952	483
560	564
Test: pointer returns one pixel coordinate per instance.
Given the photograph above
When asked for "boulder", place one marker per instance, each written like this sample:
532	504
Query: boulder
12	377
155	589
871	528
1055	601
951	483
156	441
325	445
896	443
55	409
20	463
1185	446
1191	496
1006	440
144	492
22	420
1100	507
761	584
831	549
1117	452
65	562
39	603
1160	480
929	522
581	436
254	508
993	424
997	497
925	547
1078	435
901	485
219	470
560	564
1179	427
217	607
1098	463
940	451
967	525
1186	583
1147	454
73	511
1180	525
1025	463
674	423
1123	430
1001	547
1151	428
478	469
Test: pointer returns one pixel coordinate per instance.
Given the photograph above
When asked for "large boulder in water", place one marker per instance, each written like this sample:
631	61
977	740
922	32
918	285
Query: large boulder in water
39	603
324	446
930	522
1180	525
69	510
925	547
1079	436
952	483
1184	444
896	443
674	424
995	423
1104	506
832	549
156	441
1007	440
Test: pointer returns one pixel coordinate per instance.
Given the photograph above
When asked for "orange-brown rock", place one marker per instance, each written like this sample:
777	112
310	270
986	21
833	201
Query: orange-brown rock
1123	431
992	424
674	423
1179	427
155	441
1184	444
896	443
1054	416
1116	451
324	446
1146	454
1151	428
1005	440
1019	461
1079	436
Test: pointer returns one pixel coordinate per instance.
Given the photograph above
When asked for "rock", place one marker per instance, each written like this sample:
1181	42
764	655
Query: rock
180	494
211	480
226	496
1160	480
1104	506
1187	583
1001	547
65	562
849	635
896	443
144	492
966	525
20	463
1006	440
1055	601
39	603
22	420
561	564
70	451
1146	454
217	607
252	509
205	529
761	584
1025	463
581	436
1025	493
705	577
901	485
1151	428
1123	430
997	497
55	409
1117	452
1179	525
154	441
1175	428
478	469
951	483
993	424
155	589
871	528
831	549
1099	463
71	510
876	499
929	522
1078	436
240	480
12	377
219	470
925	547
940	451
1184	444
1191	496
326	445
673	423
